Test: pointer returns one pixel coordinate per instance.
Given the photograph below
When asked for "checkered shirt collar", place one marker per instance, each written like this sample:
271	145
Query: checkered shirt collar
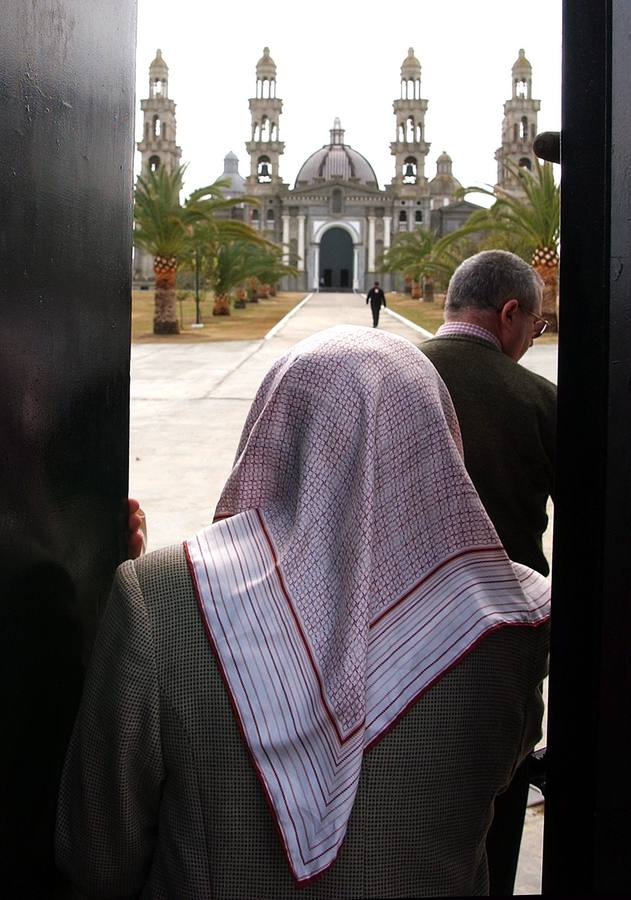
468	328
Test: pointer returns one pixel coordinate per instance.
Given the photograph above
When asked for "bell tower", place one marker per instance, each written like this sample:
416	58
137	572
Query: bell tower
158	146
410	149
264	146
519	126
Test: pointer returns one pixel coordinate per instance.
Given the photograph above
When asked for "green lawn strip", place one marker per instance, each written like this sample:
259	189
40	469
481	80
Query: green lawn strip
249	324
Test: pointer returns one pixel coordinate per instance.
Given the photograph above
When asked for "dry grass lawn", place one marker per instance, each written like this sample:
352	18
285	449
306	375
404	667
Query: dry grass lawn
430	315
249	324
427	315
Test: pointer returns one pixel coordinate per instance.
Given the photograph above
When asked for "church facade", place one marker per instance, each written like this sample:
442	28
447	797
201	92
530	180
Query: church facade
335	221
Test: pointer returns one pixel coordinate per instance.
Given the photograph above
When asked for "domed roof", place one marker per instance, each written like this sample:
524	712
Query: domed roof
266	67
231	174
411	67
158	66
521	66
336	161
444	182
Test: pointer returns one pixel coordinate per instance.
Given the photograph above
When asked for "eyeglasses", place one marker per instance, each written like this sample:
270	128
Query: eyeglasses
539	325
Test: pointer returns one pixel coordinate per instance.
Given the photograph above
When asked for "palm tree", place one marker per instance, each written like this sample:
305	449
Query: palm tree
409	254
228	249
528	222
269	267
234	261
164	226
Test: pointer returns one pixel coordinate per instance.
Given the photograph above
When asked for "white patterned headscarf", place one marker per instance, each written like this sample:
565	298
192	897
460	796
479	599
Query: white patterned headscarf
350	566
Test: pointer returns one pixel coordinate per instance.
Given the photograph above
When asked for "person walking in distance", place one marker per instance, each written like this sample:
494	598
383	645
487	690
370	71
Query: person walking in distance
377	299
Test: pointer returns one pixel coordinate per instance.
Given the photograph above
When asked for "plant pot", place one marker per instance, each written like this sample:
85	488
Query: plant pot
222	305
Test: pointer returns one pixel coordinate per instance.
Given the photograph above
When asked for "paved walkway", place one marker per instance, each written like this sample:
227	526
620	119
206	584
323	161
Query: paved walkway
188	406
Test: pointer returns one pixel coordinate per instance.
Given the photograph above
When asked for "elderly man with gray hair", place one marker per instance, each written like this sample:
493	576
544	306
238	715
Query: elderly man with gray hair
507	420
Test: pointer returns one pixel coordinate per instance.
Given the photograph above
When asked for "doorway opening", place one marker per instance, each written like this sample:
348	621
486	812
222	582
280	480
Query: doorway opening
336	260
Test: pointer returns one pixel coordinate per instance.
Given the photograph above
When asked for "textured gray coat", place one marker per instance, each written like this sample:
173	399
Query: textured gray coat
159	800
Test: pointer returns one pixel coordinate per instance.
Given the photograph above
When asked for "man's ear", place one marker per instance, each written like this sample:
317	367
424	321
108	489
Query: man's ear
508	311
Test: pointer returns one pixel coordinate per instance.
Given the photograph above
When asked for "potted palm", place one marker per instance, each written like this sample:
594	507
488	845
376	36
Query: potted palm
409	255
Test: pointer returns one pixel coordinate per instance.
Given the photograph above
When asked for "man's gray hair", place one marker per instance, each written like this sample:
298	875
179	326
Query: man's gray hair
489	279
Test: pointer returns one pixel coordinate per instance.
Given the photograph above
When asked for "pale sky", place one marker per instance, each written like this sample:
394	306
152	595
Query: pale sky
343	58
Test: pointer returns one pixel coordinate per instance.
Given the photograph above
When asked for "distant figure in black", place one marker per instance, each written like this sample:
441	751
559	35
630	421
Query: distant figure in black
376	298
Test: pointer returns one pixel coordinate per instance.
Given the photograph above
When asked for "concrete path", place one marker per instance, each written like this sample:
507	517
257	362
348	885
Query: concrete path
188	406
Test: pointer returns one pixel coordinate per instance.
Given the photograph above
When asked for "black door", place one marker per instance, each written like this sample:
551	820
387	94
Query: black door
336	260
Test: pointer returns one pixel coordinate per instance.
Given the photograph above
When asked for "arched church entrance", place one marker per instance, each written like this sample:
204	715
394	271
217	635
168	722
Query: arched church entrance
336	260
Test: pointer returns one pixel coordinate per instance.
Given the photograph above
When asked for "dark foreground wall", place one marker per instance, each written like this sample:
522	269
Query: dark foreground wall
67	96
588	823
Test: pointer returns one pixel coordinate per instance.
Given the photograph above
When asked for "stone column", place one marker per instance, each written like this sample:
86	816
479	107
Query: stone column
301	243
387	224
285	238
371	243
316	267
355	267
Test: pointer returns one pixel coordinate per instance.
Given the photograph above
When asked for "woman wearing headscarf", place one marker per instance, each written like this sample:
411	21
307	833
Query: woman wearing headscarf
322	692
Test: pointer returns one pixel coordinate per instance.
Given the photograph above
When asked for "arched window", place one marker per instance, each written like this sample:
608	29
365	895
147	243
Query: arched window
255	215
521	88
157	126
336	200
418	216
154	163
270	216
263	170
403	216
157	88
411	131
525	163
265	129
523	129
410	170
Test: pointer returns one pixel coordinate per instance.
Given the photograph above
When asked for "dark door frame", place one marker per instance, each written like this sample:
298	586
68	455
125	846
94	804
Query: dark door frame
587	829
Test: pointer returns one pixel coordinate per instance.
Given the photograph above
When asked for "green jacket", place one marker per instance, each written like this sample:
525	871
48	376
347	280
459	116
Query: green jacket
507	418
